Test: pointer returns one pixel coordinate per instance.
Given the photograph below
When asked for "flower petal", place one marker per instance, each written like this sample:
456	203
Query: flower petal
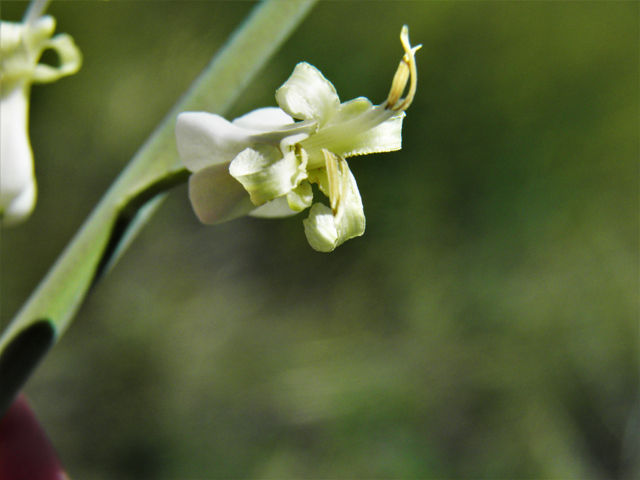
359	131
322	232
264	119
17	180
308	95
326	228
21	206
266	174
216	196
300	197
70	60
18	52
351	109
206	139
386	137
276	208
21	46
320	229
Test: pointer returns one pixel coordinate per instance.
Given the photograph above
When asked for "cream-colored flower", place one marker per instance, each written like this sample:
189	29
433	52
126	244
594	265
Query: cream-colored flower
276	159
21	45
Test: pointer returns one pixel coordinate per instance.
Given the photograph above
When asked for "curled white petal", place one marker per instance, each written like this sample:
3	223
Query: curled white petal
21	46
266	174
308	95
70	60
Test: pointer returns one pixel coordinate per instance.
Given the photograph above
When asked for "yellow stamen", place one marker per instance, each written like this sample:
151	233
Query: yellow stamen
406	72
337	172
331	162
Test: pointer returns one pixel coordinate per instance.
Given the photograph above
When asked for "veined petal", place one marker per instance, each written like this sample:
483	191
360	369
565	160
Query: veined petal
308	95
266	174
386	137
216	196
372	130
206	139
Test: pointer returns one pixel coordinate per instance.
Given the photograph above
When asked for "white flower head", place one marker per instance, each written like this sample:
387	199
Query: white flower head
21	45
275	159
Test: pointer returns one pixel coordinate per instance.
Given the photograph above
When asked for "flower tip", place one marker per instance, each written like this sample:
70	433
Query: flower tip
404	39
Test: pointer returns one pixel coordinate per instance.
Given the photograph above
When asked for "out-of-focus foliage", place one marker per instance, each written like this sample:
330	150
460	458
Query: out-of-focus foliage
486	324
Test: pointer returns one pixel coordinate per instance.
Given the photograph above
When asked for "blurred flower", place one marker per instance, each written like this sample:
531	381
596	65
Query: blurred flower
276	159
21	45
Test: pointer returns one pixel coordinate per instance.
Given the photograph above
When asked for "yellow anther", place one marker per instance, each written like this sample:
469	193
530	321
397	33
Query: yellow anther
331	163
407	72
338	176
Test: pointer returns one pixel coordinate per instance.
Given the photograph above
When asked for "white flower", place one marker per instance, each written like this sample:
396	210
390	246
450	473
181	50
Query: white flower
21	45
276	159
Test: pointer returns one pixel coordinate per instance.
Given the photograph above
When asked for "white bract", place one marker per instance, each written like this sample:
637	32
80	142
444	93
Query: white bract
275	159
21	45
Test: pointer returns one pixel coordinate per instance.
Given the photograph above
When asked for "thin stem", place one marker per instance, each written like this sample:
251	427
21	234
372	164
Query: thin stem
51	308
35	11
122	232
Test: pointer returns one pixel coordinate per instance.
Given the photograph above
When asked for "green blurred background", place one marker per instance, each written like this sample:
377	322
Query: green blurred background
486	324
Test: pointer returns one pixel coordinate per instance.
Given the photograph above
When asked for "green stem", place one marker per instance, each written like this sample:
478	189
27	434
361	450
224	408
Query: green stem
51	308
132	214
35	11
